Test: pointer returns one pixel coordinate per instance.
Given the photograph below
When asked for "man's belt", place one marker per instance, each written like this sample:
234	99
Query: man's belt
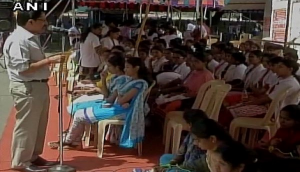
41	80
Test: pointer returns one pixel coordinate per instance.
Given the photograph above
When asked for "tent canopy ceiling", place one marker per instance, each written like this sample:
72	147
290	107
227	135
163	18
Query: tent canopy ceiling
245	5
175	3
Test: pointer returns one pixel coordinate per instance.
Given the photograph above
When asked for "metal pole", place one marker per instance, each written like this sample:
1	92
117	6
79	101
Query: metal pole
168	11
58	19
60	101
201	24
197	8
73	13
56	5
61	167
287	24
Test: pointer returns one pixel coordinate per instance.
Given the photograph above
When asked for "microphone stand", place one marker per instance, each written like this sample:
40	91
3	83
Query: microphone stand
61	167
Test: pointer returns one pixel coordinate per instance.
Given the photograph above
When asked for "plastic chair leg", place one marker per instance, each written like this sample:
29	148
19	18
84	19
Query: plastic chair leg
176	138
140	149
101	134
95	132
165	130
168	137
87	135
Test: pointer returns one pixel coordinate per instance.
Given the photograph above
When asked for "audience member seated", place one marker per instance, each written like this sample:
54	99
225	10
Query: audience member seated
182	97
267	78
128	105
286	141
157	60
219	56
236	72
179	71
233	157
256	106
208	135
143	53
188	153
110	80
212	63
168	65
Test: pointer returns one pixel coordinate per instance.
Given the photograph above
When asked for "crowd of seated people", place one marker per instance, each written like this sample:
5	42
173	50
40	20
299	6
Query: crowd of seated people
121	75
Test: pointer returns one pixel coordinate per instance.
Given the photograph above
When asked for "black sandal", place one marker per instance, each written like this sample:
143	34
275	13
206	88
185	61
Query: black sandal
66	146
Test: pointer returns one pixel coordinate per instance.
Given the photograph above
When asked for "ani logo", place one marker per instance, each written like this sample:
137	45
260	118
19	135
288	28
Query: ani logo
30	6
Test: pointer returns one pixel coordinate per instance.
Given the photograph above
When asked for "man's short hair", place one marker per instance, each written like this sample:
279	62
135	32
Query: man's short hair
24	16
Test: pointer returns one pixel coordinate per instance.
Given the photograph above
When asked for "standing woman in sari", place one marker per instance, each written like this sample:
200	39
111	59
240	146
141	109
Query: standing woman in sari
129	105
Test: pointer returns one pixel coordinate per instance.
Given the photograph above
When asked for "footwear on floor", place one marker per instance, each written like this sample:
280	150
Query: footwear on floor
42	162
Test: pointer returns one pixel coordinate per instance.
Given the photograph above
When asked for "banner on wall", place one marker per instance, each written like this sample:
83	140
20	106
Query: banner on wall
279	24
278	20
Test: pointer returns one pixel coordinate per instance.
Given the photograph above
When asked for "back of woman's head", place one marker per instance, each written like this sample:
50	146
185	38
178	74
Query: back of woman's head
236	155
118	48
176	43
143	71
229	51
117	61
221	47
145	44
88	30
293	112
158	48
163	42
268	56
257	53
114	30
199	55
193	115
207	128
239	58
275	60
117	53
291	64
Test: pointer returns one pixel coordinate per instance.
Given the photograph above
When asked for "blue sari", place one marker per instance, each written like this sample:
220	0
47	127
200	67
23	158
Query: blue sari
133	130
116	82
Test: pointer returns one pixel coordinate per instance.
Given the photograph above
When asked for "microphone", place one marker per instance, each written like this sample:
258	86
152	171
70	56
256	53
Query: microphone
52	28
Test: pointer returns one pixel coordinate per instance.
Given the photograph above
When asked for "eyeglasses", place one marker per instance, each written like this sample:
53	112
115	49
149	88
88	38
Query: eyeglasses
43	20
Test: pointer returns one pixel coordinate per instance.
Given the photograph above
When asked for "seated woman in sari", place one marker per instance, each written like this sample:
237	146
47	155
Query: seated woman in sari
189	89
82	90
129	105
115	68
257	106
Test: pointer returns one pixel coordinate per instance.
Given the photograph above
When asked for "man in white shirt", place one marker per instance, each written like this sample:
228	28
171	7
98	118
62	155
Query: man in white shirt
28	72
74	33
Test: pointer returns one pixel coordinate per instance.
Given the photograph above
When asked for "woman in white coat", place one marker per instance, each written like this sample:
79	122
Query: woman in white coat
89	48
111	39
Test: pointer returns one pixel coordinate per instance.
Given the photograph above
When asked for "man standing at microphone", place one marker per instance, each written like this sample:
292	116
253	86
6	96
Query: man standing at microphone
28	71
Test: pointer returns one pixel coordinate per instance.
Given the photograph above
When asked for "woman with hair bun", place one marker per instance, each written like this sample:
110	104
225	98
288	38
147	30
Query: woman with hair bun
128	105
